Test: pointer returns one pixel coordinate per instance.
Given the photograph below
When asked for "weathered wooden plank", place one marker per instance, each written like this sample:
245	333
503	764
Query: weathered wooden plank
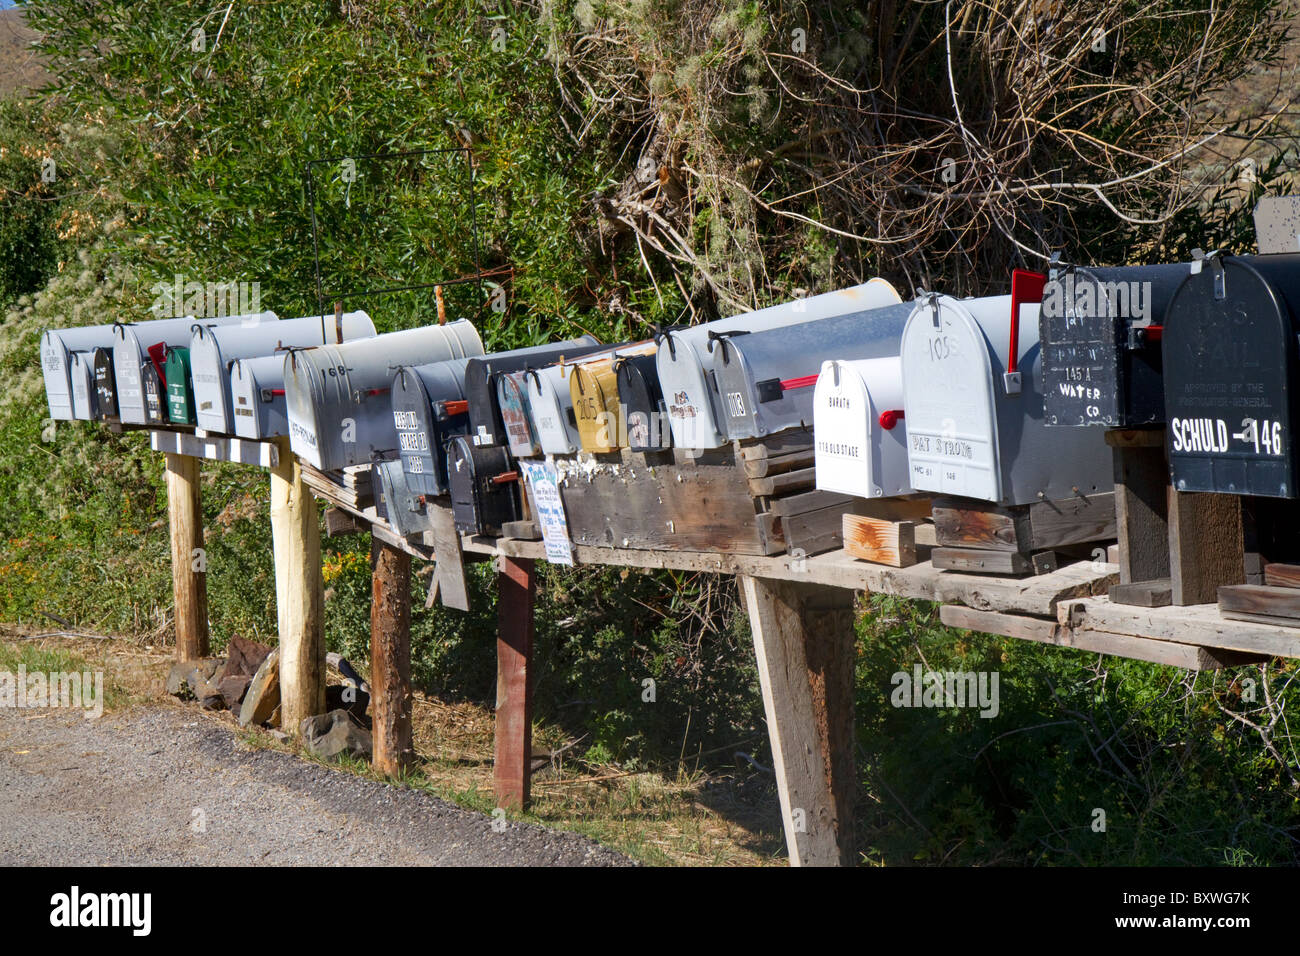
524	530
964	523
1154	593
1205	545
783	443
390	659
1142	511
1199	624
1265	600
883	542
981	561
450	558
340	522
1282	575
513	741
783	484
804	644
810	501
778	464
216	447
189	559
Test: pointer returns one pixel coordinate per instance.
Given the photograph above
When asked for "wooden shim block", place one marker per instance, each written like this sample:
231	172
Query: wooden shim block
809	501
1200	624
521	530
390	659
982	562
189	575
1156	593
513	735
1205	545
1112	553
882	542
1282	575
965	523
783	443
1186	656
764	467
814	532
804	645
339	522
1142	512
783	484
1282	603
449	557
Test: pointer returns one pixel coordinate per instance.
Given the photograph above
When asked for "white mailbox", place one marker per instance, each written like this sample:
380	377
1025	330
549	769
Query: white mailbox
338	396
57	349
975	424
82	372
550	409
214	349
685	362
131	344
257	397
859	428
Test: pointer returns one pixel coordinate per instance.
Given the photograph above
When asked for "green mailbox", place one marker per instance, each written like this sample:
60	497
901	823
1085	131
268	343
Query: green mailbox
180	390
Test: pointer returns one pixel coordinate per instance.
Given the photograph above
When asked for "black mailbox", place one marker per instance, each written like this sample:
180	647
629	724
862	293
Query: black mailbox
105	385
481	386
1101	331
1230	357
484	486
646	416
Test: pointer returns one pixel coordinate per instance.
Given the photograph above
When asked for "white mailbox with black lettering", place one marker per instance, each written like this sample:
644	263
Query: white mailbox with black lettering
131	343
214	349
338	396
859	429
1231	367
766	379
974	408
685	360
550	409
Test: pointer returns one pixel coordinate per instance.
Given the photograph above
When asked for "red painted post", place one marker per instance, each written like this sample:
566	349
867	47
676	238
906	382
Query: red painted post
517	585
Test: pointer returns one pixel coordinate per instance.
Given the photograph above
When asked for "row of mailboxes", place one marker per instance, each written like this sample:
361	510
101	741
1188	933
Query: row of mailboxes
337	397
481	381
214	350
593	390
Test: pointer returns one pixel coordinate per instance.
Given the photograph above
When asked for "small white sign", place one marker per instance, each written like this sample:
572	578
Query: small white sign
544	484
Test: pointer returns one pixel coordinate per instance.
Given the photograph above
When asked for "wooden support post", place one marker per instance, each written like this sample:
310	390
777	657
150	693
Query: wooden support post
189	562
516	582
1205	545
804	644
390	658
1141	506
299	593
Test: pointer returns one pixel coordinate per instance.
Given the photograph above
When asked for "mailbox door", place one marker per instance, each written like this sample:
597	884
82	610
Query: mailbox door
105	388
1230	357
257	397
57	346
82	374
478	503
861	437
155	394
550	407
338	396
766	379
594	390
643	403
402	507
512	396
424	426
685	359
480	381
180	397
1100	364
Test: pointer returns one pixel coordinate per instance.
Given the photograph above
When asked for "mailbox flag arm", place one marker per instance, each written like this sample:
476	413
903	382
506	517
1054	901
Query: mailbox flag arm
1026	287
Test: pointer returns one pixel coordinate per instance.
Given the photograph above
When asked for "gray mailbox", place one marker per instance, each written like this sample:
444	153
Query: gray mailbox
429	407
57	348
974	408
213	350
81	370
550	410
337	396
257	397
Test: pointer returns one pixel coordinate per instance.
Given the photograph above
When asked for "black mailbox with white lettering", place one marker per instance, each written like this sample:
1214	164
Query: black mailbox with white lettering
105	385
484	486
1230	367
1101	331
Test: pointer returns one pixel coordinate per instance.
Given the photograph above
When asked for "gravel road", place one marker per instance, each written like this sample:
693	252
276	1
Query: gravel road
132	788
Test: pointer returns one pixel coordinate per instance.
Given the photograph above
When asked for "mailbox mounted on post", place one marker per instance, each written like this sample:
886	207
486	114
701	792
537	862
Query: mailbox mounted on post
1101	335
766	379
213	351
105	387
257	397
480	381
155	394
859	428
484	486
131	342
337	396
1231	365
597	409
974	411
550	408
429	407
180	391
643	403
696	417
402	508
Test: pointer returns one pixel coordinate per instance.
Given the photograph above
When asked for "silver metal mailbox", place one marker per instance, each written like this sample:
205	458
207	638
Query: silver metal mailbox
337	396
57	348
429	407
977	432
550	409
684	359
131	342
81	370
766	379
859	428
214	349
402	508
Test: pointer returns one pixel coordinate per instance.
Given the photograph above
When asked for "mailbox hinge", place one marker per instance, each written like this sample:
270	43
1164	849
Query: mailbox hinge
1215	258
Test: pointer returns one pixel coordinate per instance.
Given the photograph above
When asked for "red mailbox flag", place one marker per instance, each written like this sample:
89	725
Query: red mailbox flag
1026	287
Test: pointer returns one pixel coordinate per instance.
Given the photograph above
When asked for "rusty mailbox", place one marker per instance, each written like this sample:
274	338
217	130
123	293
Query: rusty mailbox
684	360
1230	367
1100	331
974	411
859	429
337	397
214	349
